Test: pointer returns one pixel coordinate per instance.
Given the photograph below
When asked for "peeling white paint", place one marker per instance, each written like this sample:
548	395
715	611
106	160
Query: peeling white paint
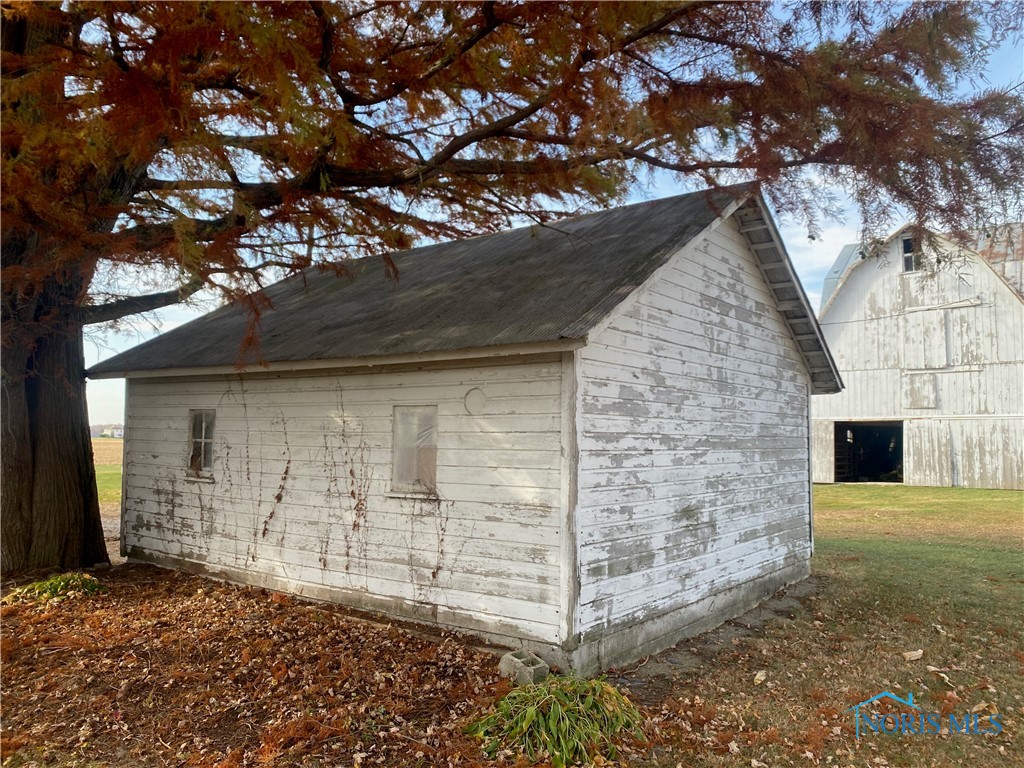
943	353
594	503
693	417
301	487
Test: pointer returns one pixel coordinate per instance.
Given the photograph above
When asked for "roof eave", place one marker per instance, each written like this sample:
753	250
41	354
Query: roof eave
282	366
757	226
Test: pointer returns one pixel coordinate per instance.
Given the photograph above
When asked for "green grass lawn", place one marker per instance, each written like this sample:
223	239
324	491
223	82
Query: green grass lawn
933	569
934	515
898	569
108	482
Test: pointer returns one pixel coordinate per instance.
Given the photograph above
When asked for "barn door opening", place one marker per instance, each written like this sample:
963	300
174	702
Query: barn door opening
869	452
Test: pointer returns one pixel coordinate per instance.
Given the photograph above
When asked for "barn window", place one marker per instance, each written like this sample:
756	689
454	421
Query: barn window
414	449
200	460
911	254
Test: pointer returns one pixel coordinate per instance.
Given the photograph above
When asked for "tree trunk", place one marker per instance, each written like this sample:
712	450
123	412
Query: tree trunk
49	513
49	508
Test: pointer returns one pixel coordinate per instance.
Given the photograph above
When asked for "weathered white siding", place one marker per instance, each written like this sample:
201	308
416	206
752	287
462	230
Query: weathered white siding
694	445
941	352
823	450
972	453
300	496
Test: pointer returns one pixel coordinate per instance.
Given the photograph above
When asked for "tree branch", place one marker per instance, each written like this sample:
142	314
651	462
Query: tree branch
149	184
117	54
351	99
131	305
151	237
824	155
225	82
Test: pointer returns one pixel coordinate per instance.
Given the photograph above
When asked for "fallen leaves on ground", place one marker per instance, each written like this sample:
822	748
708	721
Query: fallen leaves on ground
174	670
171	669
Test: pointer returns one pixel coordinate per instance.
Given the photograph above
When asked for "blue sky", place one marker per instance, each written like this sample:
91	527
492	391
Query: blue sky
812	260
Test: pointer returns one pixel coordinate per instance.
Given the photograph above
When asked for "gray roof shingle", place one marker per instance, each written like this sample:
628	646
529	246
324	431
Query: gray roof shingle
534	284
530	285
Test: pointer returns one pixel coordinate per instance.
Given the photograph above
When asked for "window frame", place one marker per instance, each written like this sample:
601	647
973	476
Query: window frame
419	487
208	419
911	257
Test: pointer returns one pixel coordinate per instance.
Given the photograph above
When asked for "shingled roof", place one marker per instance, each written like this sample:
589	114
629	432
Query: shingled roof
535	284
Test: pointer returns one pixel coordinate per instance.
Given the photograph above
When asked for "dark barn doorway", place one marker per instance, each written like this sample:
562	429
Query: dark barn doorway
869	452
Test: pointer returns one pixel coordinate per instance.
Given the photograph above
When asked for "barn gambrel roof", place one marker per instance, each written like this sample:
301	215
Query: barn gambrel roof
536	284
1000	248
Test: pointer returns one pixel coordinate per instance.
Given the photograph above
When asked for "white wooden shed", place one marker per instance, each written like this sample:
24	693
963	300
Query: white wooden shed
589	439
933	360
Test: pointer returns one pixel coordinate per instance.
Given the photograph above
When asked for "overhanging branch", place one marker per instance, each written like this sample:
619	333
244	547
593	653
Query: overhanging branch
132	305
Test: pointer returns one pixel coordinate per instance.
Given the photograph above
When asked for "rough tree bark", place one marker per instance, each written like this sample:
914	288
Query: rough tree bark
49	509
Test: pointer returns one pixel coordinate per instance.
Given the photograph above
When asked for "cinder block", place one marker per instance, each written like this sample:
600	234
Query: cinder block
523	667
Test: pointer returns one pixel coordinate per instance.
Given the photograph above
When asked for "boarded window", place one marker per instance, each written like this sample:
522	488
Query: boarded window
200	460
414	449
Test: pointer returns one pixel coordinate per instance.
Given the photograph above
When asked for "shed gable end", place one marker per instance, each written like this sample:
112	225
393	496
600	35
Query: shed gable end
694	466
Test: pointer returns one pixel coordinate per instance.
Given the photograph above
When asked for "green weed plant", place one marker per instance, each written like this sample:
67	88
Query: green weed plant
569	720
56	588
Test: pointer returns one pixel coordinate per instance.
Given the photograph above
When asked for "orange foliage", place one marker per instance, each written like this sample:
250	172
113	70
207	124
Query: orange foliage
216	140
154	149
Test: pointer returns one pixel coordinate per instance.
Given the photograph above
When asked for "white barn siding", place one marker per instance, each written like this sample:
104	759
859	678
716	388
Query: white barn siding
693	444
823	451
300	497
980	453
941	353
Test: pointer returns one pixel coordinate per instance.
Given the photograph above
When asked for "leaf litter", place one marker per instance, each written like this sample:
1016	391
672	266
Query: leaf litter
171	669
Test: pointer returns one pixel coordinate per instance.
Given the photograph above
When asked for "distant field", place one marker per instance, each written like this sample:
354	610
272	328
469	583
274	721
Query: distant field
107	450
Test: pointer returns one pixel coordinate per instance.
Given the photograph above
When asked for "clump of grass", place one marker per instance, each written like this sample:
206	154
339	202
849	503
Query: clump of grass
570	720
56	588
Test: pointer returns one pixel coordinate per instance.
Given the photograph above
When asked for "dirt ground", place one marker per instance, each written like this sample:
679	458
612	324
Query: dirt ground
111	519
654	678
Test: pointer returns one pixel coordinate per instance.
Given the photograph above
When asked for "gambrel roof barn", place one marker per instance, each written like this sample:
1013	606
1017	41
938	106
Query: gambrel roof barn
933	360
589	439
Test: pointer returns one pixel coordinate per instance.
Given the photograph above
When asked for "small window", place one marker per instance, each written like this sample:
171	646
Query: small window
414	449
200	461
911	255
